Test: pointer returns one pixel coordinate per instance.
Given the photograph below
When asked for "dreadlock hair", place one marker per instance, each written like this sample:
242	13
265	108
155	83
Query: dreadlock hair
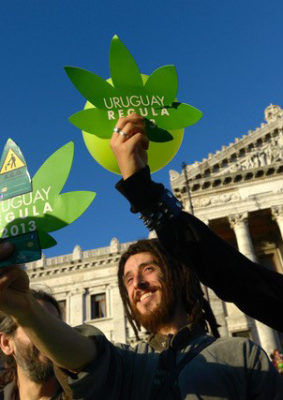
177	278
8	326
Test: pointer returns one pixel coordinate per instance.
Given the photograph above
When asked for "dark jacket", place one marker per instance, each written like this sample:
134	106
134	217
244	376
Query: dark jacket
256	290
228	368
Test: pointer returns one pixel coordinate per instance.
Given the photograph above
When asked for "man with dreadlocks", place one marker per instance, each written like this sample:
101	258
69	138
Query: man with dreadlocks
180	361
161	293
171	294
256	290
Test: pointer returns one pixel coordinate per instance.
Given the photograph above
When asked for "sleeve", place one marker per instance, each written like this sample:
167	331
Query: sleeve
256	290
104	377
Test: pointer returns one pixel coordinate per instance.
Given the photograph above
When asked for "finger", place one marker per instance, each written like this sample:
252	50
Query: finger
11	274
5	281
7	275
129	129
11	269
6	249
139	139
145	142
133	119
126	127
133	127
142	141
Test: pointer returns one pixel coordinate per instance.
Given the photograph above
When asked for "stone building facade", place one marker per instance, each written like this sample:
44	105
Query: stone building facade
237	192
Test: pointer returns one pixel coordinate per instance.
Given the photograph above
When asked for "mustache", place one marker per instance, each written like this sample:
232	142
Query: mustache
141	292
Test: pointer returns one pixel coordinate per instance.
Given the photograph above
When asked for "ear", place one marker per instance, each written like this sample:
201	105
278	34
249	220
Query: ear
6	344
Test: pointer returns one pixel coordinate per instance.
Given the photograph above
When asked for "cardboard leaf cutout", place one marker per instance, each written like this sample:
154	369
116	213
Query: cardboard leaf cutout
123	68
152	97
46	239
181	114
45	209
59	164
153	133
26	249
14	175
15	181
91	86
94	121
163	80
64	206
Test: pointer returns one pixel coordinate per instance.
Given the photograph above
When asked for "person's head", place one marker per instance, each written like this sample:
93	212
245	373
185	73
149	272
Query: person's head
276	353
154	286
17	351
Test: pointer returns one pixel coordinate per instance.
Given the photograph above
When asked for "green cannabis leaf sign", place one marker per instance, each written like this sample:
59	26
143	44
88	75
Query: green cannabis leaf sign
129	91
45	209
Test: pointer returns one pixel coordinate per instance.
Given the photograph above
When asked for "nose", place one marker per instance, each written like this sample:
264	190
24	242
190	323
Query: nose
139	282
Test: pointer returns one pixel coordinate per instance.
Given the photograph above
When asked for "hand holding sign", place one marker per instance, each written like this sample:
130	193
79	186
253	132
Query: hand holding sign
45	209
128	91
130	149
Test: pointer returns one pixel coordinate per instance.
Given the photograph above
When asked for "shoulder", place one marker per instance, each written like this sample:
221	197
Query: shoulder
100	339
238	352
95	333
233	343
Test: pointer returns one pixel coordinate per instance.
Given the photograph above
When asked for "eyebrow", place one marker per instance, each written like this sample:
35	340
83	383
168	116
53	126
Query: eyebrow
142	265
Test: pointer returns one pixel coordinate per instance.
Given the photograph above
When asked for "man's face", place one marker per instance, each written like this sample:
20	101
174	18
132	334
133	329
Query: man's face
34	364
151	303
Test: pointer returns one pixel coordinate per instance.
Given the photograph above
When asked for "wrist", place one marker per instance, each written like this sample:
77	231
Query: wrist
162	211
26	315
140	190
128	169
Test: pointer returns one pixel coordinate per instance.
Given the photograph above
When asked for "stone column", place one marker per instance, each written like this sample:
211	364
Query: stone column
215	302
77	307
239	223
218	311
119	320
277	215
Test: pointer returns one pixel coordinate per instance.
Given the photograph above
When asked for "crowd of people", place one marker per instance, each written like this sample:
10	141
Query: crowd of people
277	359
159	282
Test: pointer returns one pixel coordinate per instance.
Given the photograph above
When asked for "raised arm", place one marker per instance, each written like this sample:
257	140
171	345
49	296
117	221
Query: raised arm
255	290
59	342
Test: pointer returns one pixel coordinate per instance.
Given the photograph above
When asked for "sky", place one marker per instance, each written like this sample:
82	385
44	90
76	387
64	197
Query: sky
229	59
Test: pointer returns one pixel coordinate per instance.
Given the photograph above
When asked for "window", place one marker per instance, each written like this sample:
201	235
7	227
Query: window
62	306
98	306
245	334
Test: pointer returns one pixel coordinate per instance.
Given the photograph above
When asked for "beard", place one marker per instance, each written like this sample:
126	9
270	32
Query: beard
27	357
153	320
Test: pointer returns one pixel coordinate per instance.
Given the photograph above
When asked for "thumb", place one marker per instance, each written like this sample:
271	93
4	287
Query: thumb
6	249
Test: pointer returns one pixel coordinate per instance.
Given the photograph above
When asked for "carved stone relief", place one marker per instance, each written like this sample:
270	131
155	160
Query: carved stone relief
214	200
261	156
272	113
